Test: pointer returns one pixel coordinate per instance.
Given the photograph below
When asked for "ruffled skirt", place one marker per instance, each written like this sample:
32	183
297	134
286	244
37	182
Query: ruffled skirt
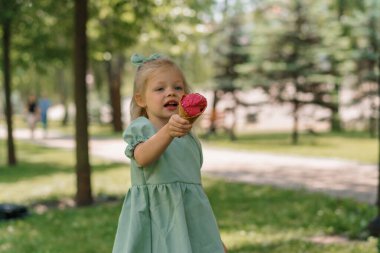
167	218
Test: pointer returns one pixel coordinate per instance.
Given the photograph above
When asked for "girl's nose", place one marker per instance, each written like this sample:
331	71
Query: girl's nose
171	92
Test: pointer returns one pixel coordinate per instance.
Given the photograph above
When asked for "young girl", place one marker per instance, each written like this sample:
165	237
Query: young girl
166	209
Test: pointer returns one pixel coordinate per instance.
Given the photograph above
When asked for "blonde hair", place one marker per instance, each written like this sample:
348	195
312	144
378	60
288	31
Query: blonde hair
143	72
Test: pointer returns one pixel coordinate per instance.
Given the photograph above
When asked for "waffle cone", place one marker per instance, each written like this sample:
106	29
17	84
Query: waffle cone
182	113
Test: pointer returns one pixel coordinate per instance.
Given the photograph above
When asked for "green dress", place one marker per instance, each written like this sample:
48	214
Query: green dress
166	209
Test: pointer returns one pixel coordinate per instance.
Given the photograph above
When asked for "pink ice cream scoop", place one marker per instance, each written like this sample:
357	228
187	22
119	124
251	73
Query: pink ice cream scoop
192	106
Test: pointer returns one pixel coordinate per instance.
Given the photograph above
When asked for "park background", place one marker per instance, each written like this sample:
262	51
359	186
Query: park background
282	77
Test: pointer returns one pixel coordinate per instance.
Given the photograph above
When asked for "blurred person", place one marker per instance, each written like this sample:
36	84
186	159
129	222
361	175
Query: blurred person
44	104
166	209
32	114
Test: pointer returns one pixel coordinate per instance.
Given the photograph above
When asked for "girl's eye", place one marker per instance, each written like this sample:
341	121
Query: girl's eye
159	89
179	88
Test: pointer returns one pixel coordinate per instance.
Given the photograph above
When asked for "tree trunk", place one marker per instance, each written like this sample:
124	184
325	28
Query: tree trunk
374	225
372	120
335	121
62	87
115	81
65	119
378	135
7	88
231	131
374	63
295	76
335	118
214	116
295	122
83	169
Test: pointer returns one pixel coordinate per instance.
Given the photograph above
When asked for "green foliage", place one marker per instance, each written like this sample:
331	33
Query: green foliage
115	25
336	41
294	48
301	54
342	7
365	43
363	31
38	42
180	29
230	43
9	10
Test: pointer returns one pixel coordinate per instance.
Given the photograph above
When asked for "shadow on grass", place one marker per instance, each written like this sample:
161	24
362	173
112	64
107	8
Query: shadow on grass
36	161
24	171
29	170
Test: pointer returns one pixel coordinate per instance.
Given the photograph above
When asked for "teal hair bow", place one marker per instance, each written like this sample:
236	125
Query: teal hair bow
138	59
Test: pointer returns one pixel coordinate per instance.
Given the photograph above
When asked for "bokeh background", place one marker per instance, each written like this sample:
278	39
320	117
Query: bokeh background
290	135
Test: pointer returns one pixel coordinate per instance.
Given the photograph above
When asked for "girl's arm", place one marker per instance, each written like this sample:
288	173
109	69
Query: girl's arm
149	151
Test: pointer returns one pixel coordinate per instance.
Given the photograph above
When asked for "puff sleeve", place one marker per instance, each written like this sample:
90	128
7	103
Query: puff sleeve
138	131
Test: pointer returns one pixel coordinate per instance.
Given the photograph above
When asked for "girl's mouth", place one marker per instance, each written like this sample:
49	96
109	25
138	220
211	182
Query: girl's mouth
171	105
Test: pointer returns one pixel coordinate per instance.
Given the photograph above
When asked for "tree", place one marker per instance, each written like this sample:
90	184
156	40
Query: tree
35	49
369	76
289	53
230	52
38	50
83	169
365	35
180	30
115	26
346	7
9	10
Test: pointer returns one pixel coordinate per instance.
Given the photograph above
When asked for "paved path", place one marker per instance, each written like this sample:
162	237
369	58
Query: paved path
336	177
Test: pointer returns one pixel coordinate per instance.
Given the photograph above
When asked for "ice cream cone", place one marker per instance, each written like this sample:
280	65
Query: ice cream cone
193	100
184	115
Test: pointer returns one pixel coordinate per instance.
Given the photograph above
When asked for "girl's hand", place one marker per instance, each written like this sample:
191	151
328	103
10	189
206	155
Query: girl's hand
177	126
149	151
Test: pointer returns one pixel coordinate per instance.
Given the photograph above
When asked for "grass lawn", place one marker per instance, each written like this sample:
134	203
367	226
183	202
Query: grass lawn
352	146
252	219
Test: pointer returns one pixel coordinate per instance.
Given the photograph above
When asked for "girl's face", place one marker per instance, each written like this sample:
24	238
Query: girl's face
163	91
